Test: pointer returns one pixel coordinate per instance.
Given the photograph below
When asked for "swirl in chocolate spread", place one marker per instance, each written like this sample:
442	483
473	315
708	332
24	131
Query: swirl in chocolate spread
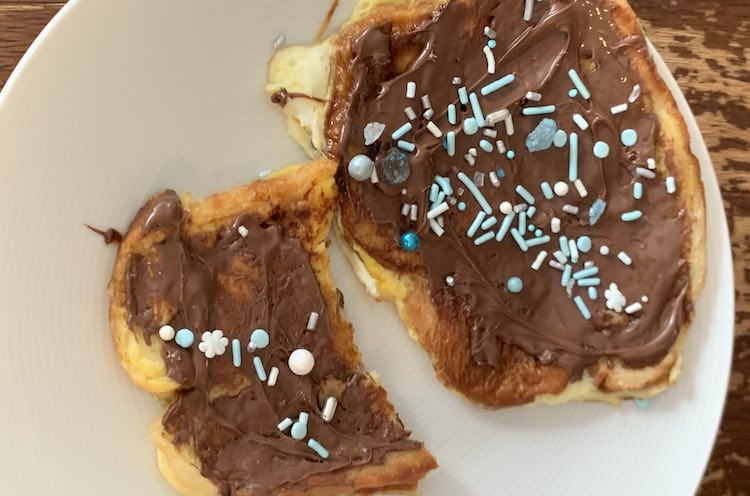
224	281
542	319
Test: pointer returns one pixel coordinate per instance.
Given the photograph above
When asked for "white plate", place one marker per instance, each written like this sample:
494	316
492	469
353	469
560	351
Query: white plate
117	100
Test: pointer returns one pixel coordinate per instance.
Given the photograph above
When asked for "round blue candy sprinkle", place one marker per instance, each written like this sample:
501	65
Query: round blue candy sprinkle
184	338
461	206
260	338
360	167
584	244
492	43
573	93
510	154
500	173
409	241
515	284
601	149
299	431
629	137
531	227
538	233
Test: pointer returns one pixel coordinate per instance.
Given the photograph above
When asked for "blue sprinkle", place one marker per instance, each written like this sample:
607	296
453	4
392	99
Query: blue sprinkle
496	85
510	154
538	233
260	338
537	241
470	126
236	353
476	108
643	404
544	109
515	284
407	146
565	278
500	173
409	241
259	369
573	93
584	273
461	206
433	192
573	157
547	190
629	137
542	136
318	448
531	227
400	132
530	211
584	244
560	139
601	149
485	145
475	192
582	307
591	281
463	96
596	211
489	222
637	191
452	114
505	226
524	193
184	338
592	293
445	184
631	216
492	43
522	222
519	239
578	82
564	247
474	227
451	143
299	429
484	238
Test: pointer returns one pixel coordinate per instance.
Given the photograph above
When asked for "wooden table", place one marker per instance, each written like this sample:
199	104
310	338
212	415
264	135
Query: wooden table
706	43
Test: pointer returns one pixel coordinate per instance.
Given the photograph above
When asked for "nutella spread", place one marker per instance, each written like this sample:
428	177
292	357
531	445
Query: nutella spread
222	280
629	226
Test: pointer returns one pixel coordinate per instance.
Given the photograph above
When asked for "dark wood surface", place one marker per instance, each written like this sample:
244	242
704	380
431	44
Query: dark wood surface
706	44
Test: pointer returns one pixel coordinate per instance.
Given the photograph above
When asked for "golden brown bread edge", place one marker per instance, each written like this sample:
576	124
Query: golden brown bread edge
302	200
443	333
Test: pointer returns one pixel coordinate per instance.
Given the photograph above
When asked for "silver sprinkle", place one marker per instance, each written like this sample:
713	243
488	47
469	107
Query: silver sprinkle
280	40
635	93
329	409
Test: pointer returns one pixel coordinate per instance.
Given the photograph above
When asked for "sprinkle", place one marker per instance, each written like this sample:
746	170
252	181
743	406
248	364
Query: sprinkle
409	241
490	133
406	146
318	448
236	353
582	192
565	278
410	114
474	191
588	264
264	173
312	321
633	308
497	116
560	257
374	176
452	114
560	139
469	159
494	179
456	80
278	41
624	258
533	96
537	241
644	299
436	227
463	96
515	284
400	132
555	225
573	93
474	227
643	403
432	127
329	409
519	239
578	82
523	193
592	281
631	216
414	211
426	104
485	145
506	207
522	222
285	424
507	221
604	250
542	136
555	265
531	211
580	121
601	149
259	369
373	131
500	172
492	43
584	244
596	211
497	84
619	109
651	163
301	361
582	307
489	222
573	158
637	191
242	230
411	89
473	151
490	59
461	206
671	185
592	293
476	108
545	109
531	227
546	190
570	209
478	179
484	238
510	154
564	247
445	184
167	332
635	93
427	114
629	137
509	129
573	247
539	260
260	338
528	9
470	125
640	171
450	281
299	429
489	32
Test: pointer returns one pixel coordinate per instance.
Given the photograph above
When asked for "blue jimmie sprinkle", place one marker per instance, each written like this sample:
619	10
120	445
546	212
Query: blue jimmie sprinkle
573	93
507	221
410	147
484	238
522	222
560	139
547	190
463	96
592	293
564	247
524	193
544	109
474	227
515	284
578	82
475	191
592	281
637	191
573	158
476	108
400	132
530	211
433	192
519	239
582	307
596	211
489	222
318	448
485	145
631	216
236	353
542	136
496	85
445	184
452	114
409	241
584	273
259	369
565	278
451	141
537	241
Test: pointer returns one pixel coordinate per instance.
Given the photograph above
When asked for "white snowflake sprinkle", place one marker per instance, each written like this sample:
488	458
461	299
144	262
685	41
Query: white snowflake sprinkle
213	343
615	299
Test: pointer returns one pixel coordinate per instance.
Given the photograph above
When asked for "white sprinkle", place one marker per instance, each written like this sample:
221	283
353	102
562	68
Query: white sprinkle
373	131
671	185
580	188
426	102
285	424
645	172
521	207
427	114
500	146
405	209
329	409
555	225
633	308
539	260
414	211
588	263
644	299
490	59
509	129
533	96
506	207
312	321
489	32
580	121
264	173
560	257
280	39
624	258
436	132
619	109
411	89
651	163
450	281
494	179
469	159
560	188
440	222
436	227
556	265
573	250
243	231
635	93
439	210
497	116
473	152
604	250
528	9
570	209
456	80
374	176
273	376
490	133
404	191
410	114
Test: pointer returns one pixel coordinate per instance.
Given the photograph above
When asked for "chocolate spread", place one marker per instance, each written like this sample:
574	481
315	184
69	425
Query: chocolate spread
221	280
542	319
